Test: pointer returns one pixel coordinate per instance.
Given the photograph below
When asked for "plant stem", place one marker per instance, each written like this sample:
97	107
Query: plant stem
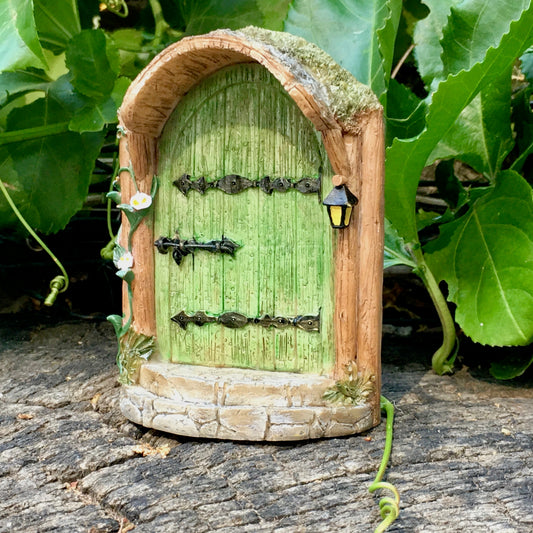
59	283
389	507
161	24
442	360
27	134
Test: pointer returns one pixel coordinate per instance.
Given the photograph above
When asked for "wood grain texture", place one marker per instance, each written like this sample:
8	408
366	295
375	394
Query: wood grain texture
461	457
241	121
179	67
370	241
140	152
346	264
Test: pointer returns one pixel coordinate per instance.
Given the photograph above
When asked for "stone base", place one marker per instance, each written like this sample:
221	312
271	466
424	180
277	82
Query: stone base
238	404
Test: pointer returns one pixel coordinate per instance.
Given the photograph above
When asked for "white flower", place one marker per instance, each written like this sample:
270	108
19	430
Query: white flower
125	261
140	200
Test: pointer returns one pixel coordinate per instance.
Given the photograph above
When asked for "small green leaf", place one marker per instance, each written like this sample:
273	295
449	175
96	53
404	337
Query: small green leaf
118	252
57	22
512	367
114	196
116	321
94	62
18	35
127	208
396	253
126	275
486	257
94	116
128	39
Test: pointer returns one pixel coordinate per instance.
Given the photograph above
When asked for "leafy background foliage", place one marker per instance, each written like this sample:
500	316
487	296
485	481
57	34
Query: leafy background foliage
461	97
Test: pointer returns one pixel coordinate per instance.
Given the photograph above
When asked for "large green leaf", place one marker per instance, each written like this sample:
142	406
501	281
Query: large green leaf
427	35
15	84
406	113
486	257
481	135
406	158
386	41
94	62
95	114
202	16
48	175
57	22
18	35
352	32
474	26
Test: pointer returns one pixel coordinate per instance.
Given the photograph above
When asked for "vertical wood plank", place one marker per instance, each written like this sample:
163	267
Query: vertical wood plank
371	236
241	121
347	279
143	152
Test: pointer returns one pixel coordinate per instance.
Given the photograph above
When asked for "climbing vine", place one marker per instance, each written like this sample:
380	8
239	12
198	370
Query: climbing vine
133	347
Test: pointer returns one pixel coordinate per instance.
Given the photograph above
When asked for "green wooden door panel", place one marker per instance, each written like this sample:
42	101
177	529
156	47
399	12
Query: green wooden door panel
241	121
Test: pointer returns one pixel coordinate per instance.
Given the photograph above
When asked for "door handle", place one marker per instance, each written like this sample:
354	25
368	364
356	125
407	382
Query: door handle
182	248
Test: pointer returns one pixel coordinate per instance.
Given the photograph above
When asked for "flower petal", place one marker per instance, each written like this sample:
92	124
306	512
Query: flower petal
140	200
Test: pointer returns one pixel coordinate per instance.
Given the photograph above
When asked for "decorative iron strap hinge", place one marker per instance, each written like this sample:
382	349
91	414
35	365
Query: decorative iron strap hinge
234	184
236	320
181	248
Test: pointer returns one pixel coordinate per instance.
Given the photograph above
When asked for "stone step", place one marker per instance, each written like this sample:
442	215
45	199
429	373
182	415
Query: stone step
233	386
237	404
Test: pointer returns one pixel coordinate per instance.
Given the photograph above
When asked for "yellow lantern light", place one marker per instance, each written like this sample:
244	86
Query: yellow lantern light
339	203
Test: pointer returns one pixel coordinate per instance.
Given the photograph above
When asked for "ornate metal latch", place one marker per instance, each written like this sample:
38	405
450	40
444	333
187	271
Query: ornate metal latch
234	184
181	248
236	320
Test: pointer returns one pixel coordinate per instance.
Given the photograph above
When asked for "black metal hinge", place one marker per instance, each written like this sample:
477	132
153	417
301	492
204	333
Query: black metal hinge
181	248
236	320
234	184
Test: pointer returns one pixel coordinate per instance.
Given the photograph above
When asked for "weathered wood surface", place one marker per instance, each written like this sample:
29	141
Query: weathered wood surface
462	456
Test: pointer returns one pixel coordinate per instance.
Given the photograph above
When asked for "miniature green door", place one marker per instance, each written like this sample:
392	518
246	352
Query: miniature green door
270	305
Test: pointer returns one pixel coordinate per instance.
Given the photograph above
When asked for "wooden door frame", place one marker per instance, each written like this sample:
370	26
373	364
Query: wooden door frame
355	148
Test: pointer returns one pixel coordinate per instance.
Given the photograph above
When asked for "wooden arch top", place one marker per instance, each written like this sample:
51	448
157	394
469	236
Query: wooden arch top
326	94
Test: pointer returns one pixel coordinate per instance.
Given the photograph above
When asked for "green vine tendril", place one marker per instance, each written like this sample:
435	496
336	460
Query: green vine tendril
59	283
117	7
389	506
109	201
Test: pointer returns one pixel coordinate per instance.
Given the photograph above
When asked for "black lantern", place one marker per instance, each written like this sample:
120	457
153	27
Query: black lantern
340	202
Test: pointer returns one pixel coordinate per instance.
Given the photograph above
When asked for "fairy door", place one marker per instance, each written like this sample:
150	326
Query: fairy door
247	277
